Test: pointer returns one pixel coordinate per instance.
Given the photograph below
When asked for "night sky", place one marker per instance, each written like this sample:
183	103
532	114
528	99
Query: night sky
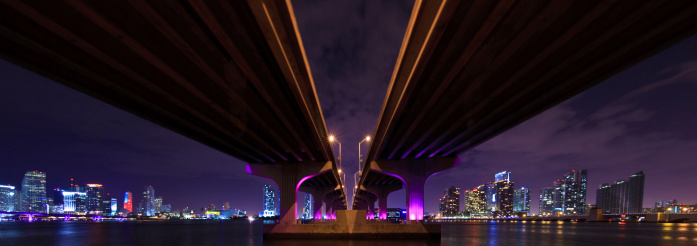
644	118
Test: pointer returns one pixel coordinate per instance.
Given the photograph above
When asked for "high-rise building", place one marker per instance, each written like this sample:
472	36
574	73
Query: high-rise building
521	200
57	196
34	192
128	201
106	207
167	208
503	198
451	201
114	206
95	199
490	196
475	201
569	196
622	196
7	198
503	176
158	204
547	201
269	202
307	209
74	200
149	201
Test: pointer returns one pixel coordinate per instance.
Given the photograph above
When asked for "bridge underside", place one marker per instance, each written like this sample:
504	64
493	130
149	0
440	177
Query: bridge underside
469	70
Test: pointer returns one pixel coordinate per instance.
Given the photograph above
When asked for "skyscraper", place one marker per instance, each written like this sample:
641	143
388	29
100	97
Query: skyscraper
74	200
521	200
269	205
95	194
569	195
34	192
451	201
504	198
7	198
307	209
114	206
128	201
475	201
622	196
546	200
149	201
158	204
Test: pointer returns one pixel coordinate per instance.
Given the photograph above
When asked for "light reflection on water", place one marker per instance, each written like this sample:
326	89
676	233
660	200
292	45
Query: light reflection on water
245	233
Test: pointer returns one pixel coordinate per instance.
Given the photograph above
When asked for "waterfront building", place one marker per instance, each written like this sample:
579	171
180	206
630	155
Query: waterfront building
269	202
307	209
622	196
158	204
74	201
95	199
57	196
569	196
106	207
521	200
148	204
7	198
490	196
503	198
167	208
114	206
451	201
128	201
33	195
547	201
475	201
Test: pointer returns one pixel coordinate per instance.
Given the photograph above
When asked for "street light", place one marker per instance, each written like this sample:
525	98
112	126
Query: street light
360	170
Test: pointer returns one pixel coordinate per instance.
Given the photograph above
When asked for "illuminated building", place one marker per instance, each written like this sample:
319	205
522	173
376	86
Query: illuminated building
158	204
547	201
57	196
490	196
74	201
269	205
521	200
149	201
451	201
95	200
114	206
307	209
503	198
502	176
128	201
569	195
33	195
167	208
475	201
106	207
7	198
622	196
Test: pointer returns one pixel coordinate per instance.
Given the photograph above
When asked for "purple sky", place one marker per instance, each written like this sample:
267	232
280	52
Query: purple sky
644	118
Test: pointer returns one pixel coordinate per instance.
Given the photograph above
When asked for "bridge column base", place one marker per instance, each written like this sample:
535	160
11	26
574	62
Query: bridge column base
381	192
414	173
288	177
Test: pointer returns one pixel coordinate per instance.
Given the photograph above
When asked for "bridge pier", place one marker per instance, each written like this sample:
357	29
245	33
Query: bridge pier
414	173
318	195
381	193
288	177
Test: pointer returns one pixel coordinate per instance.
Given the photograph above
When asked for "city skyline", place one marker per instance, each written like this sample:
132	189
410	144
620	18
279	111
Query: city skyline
637	120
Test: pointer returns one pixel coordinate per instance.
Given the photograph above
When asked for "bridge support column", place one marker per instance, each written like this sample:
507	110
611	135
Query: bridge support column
318	195
328	203
371	208
288	177
414	173
381	193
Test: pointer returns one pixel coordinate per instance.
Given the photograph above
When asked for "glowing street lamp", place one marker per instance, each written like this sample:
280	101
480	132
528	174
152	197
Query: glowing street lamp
360	170
331	140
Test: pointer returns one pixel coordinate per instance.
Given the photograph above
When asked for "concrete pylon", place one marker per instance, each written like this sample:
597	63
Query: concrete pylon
318	195
328	199
381	193
414	173
288	177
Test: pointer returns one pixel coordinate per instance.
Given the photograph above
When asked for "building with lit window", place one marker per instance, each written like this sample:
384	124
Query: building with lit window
95	199
503	198
307	208
269	204
128	201
7	198
547	201
114	206
622	196
521	200
74	201
569	194
149	201
158	204
33	195
451	202
475	201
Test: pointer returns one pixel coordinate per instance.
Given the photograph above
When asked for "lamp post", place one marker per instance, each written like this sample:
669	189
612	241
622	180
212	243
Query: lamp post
360	159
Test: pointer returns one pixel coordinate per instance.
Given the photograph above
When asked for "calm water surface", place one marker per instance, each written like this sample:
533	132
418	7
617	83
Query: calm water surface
246	233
